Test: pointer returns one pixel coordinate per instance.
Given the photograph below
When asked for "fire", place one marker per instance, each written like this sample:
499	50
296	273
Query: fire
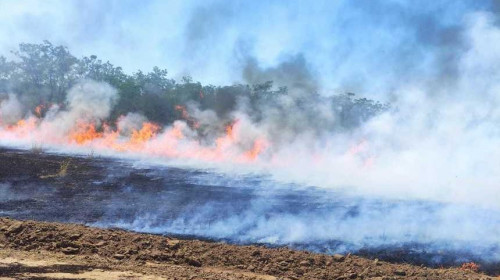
229	129
148	131
84	132
259	146
23	127
361	151
182	109
181	140
192	122
472	266
176	132
38	110
42	109
21	123
228	139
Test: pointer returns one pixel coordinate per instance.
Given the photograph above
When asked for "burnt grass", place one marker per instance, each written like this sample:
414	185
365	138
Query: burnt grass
36	190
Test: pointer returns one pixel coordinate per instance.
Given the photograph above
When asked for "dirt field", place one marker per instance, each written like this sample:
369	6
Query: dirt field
39	250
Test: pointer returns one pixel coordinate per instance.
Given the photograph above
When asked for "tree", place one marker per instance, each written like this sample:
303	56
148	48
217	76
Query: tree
44	68
43	73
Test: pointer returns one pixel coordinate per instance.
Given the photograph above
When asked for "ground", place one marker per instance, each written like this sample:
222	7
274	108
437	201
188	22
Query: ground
41	250
49	250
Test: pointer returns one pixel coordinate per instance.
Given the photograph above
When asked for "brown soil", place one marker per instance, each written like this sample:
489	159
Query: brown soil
41	250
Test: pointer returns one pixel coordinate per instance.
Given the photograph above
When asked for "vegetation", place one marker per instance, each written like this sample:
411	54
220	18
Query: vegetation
43	73
36	148
63	170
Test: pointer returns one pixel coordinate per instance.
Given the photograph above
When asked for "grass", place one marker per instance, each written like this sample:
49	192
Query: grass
36	148
92	154
63	170
471	266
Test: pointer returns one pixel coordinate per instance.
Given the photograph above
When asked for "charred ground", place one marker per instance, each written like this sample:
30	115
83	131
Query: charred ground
45	184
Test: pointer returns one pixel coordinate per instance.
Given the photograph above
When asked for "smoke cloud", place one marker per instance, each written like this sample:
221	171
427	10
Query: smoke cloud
89	102
11	110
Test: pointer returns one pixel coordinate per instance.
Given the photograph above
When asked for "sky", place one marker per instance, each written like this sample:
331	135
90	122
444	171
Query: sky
368	47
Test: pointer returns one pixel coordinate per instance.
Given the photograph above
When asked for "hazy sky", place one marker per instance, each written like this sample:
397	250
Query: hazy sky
368	46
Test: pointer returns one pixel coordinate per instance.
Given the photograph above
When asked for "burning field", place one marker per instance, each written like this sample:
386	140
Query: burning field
247	210
82	126
267	166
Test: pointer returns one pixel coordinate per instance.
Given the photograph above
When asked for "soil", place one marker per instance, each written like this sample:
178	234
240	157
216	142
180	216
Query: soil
42	250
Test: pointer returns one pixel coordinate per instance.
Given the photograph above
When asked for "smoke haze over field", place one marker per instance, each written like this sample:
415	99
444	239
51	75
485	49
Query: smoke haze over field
436	62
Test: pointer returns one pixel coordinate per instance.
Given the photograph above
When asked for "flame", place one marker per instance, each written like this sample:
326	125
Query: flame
148	131
229	129
176	132
23	127
362	152
84	132
39	110
181	140
182	109
259	145
228	139
192	122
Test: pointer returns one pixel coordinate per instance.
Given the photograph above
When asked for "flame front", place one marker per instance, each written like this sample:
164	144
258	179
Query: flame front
180	140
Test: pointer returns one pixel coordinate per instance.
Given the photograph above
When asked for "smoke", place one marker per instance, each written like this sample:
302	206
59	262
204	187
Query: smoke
438	142
130	122
89	102
11	110
292	73
253	209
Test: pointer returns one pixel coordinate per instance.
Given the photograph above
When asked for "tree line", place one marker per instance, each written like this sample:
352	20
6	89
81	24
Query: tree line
43	73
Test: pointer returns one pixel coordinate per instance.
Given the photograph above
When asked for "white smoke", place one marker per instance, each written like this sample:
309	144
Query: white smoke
88	102
11	110
130	122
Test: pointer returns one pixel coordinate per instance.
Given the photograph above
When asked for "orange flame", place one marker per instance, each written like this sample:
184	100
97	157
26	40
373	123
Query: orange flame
148	131
259	146
84	132
175	141
182	109
39	109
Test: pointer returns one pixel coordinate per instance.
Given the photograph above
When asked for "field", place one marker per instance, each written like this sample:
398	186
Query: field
67	191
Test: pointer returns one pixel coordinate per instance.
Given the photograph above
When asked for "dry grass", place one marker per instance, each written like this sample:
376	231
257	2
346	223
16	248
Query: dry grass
63	170
470	266
36	148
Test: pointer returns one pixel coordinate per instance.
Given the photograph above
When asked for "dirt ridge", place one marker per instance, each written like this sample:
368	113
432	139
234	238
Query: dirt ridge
149	255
